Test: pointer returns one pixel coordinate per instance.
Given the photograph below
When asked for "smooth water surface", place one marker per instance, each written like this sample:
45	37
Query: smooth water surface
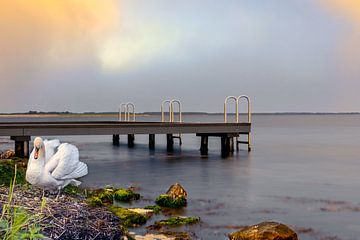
303	171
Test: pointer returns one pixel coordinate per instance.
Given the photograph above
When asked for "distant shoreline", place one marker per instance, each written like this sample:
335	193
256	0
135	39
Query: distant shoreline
147	114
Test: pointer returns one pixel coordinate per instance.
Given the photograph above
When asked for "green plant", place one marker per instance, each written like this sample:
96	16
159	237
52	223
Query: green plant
16	222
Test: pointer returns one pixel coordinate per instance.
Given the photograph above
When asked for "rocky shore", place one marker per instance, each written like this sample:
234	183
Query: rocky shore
99	214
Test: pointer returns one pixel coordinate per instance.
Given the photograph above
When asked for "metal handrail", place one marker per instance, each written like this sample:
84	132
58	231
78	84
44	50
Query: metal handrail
237	100
248	106
162	110
132	112
172	116
125	108
121	108
236	108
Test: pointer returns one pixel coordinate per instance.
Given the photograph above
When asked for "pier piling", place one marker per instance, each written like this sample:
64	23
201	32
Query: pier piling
225	146
169	142
116	140
131	140
204	145
152	141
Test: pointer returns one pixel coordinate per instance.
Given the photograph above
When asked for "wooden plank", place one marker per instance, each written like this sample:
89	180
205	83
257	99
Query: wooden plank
110	128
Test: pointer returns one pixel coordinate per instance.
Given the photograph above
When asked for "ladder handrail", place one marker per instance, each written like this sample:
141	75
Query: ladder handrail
236	108
132	105
125	108
162	110
237	100
172	117
248	106
121	108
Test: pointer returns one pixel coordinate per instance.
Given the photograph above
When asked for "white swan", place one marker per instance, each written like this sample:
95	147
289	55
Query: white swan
53	170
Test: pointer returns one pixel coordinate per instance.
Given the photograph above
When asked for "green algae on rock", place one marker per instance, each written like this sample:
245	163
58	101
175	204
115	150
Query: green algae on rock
265	231
156	209
101	197
125	195
127	217
167	201
178	221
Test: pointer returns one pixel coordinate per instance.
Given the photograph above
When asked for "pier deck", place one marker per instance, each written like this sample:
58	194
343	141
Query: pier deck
21	132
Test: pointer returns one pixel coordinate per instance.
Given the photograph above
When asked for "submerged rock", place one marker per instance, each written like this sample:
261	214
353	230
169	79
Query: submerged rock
127	217
151	236
146	212
265	231
178	221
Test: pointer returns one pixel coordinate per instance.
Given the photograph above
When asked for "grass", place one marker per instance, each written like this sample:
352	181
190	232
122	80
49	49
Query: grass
15	221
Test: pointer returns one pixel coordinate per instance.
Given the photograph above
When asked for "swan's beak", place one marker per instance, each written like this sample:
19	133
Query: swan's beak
36	154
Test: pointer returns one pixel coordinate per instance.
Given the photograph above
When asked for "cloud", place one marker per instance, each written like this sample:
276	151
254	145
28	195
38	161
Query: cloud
349	41
39	38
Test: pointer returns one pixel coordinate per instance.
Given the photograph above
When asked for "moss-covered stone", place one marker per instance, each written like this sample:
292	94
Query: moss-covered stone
178	221
265	230
156	209
127	217
7	170
107	196
165	200
125	195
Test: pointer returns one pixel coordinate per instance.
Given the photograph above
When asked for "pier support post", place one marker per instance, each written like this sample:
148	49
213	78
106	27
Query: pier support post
21	146
204	145
152	141
225	146
231	142
116	140
131	140
169	142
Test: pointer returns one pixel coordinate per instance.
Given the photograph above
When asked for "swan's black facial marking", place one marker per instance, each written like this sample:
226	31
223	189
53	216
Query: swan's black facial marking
36	153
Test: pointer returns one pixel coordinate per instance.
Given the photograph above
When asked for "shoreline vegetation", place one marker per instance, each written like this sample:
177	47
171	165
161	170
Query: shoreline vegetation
102	214
81	213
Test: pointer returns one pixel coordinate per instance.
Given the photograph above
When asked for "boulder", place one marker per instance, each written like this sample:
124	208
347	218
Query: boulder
176	191
265	231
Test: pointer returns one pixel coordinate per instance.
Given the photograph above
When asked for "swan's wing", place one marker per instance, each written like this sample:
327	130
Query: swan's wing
50	148
67	159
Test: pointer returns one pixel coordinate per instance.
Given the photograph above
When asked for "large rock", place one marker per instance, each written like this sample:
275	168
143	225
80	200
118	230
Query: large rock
265	231
176	191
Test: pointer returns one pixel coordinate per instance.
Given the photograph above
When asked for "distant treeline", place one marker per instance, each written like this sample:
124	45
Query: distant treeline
187	113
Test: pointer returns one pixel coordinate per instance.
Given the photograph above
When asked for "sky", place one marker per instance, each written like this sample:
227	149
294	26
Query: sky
93	55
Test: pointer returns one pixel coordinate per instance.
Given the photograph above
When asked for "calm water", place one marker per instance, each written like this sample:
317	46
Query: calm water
303	171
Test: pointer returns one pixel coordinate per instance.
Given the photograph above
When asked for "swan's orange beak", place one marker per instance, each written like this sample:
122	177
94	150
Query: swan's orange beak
36	154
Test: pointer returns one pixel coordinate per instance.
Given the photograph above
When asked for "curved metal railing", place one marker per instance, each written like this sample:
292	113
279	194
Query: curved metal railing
236	108
127	110
172	116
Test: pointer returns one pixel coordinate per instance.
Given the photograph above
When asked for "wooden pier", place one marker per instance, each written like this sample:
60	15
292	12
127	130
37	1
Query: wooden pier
21	132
